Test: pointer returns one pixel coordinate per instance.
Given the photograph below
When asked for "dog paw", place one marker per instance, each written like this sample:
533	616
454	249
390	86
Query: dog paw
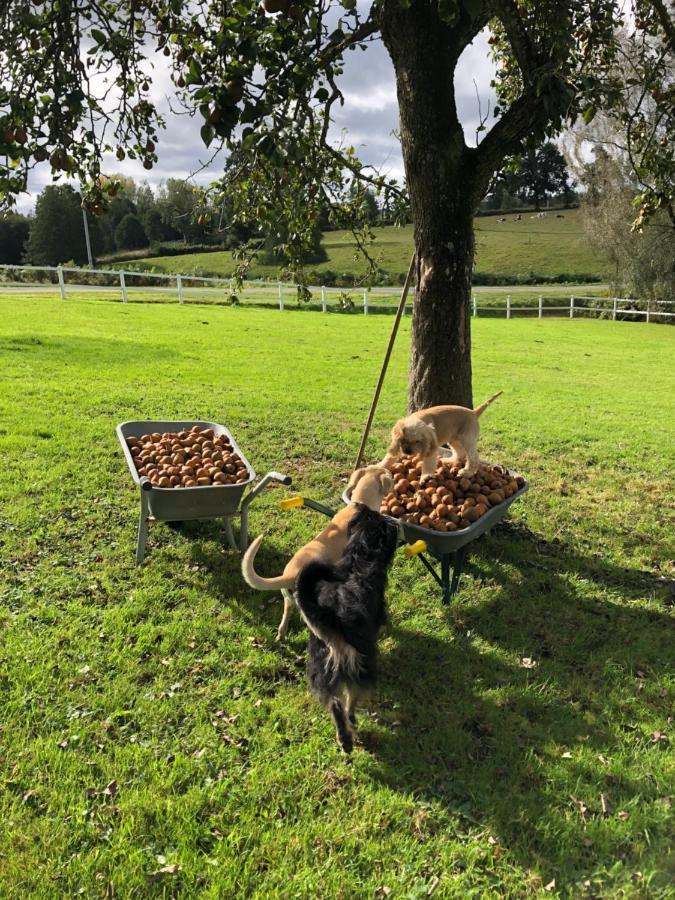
347	745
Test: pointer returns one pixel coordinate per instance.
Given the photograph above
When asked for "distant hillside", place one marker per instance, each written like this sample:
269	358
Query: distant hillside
551	246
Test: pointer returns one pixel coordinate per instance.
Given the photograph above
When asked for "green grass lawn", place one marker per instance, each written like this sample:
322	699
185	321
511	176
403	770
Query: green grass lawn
549	246
519	743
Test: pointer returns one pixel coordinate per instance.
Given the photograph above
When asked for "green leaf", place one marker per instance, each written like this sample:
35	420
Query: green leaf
322	95
589	114
98	36
207	132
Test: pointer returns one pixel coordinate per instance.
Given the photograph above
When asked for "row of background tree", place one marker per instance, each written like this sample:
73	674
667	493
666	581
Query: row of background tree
138	217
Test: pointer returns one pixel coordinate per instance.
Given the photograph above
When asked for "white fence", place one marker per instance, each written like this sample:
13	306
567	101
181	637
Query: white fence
125	284
616	306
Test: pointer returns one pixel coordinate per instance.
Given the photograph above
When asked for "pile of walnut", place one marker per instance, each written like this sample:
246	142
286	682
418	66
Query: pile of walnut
193	458
446	502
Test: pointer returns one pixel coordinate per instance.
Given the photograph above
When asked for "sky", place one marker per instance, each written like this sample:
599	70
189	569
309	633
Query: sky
367	120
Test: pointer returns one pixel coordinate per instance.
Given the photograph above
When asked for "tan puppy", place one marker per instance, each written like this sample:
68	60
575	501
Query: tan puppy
368	486
423	433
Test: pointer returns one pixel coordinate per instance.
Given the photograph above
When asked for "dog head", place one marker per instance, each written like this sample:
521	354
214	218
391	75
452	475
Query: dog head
374	531
369	486
413	437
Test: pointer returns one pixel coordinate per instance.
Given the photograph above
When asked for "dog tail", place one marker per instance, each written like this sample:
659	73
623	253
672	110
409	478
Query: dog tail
256	581
481	409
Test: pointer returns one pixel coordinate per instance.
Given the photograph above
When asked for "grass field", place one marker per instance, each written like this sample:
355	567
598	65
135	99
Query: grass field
520	741
548	246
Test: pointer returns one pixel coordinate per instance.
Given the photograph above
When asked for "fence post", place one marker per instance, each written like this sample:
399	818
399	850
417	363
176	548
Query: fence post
541	300
281	296
365	301
179	288
572	306
62	284
614	305
123	285
323	299
474	303
508	306
648	310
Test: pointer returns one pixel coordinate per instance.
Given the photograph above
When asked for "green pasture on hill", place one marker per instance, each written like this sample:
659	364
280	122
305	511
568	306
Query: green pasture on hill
157	742
550	246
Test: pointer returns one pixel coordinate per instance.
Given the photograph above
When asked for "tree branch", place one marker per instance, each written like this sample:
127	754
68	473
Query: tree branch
666	20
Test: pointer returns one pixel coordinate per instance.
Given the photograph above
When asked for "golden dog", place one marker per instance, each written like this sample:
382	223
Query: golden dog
367	486
424	432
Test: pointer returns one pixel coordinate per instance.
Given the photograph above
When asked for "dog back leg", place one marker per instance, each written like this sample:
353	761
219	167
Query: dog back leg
289	603
353	697
472	463
343	729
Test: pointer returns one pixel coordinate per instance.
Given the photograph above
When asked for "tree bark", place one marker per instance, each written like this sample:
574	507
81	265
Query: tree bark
444	195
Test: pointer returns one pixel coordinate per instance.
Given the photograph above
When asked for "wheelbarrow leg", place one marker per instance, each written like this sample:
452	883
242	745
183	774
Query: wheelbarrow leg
142	529
445	578
458	565
229	534
243	529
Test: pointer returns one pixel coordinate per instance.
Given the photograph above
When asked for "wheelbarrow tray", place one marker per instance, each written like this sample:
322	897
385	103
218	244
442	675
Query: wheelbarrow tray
444	543
181	504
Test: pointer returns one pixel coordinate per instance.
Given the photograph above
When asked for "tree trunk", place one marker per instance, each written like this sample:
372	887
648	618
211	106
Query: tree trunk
444	195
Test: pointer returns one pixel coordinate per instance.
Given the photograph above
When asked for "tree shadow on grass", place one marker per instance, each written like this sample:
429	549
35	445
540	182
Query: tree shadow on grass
475	730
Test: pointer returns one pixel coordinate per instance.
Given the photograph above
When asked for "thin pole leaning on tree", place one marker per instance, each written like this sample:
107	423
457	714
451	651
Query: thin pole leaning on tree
385	364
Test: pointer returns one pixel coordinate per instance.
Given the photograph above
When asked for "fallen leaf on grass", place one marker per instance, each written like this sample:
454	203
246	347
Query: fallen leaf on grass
172	869
110	790
528	663
622	814
550	886
657	736
383	891
433	884
606	806
581	806
29	796
566	755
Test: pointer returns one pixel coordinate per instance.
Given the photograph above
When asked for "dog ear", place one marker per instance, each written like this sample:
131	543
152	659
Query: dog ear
354	479
387	481
427	434
397	434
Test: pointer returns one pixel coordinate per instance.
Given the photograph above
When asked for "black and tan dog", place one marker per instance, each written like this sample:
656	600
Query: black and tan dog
344	607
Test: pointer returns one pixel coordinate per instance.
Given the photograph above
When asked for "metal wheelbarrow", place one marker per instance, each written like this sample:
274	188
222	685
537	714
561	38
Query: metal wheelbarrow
449	548
188	503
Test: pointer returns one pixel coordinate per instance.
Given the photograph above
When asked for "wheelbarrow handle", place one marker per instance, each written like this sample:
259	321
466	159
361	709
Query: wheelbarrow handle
262	484
250	497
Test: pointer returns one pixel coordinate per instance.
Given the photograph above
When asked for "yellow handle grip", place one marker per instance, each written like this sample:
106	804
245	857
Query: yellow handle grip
292	503
414	549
